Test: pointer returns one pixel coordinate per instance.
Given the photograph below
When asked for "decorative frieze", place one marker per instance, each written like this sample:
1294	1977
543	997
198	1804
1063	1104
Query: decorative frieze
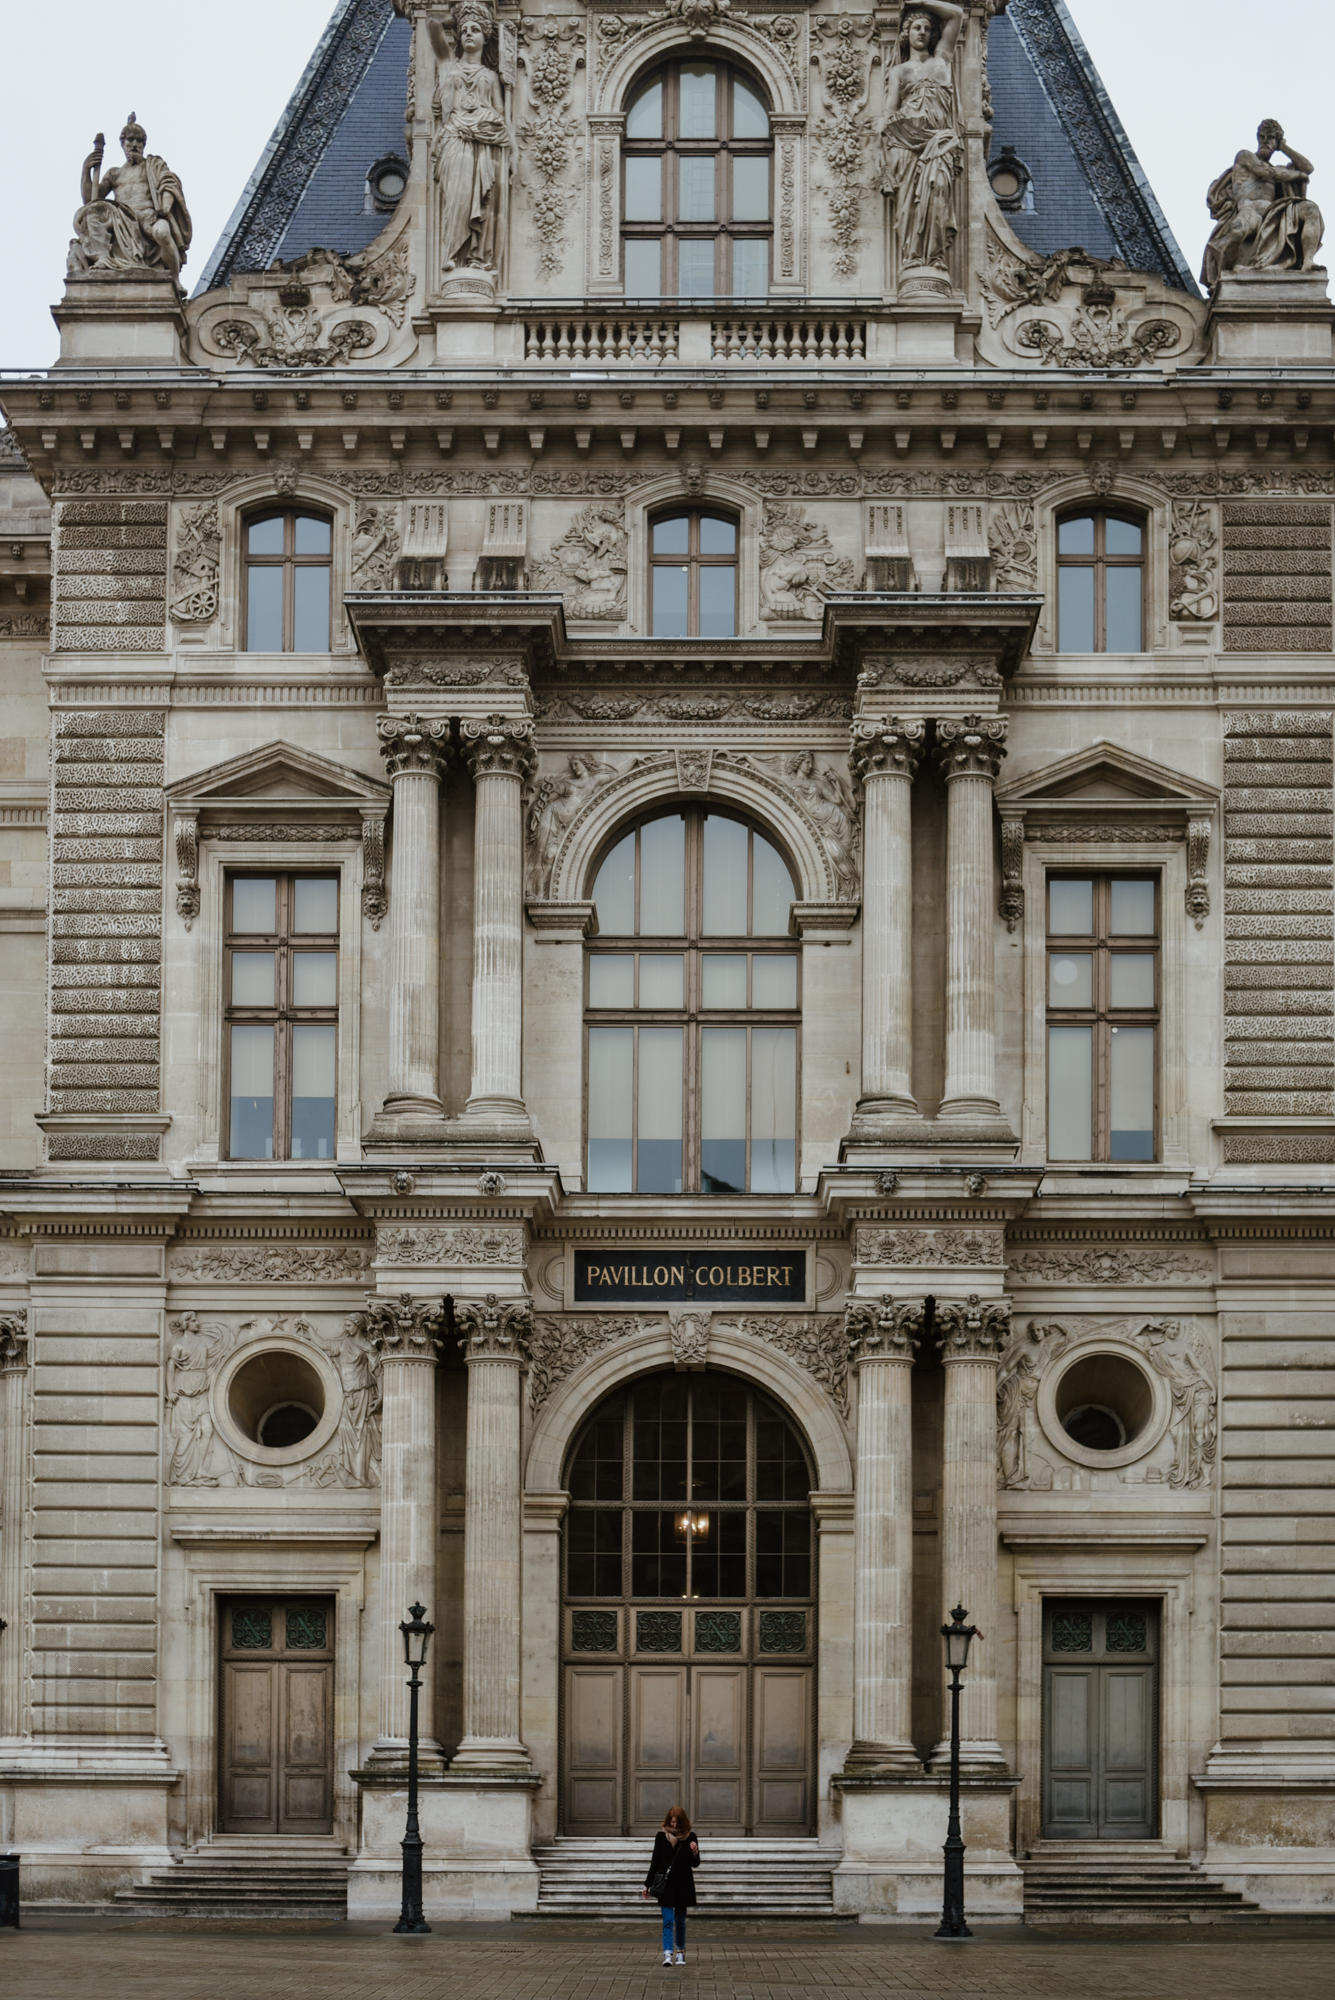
1277	578
466	1243
946	1247
1098	1264
269	1263
109	591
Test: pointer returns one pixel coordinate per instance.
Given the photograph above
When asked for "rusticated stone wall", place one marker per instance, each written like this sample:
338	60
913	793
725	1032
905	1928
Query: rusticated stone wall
1277	577
110	591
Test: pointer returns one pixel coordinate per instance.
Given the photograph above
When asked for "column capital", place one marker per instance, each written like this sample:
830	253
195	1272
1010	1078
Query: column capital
971	746
974	1329
884	1329
413	745
401	1329
494	1329
13	1342
500	746
886	749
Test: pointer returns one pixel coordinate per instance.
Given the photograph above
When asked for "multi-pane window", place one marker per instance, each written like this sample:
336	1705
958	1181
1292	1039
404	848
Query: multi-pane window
1101	582
693	1010
693	575
1103	1016
696	161
289	581
281	978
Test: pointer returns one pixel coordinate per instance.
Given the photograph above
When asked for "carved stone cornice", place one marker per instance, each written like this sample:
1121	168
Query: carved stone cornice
971	746
500	746
401	1329
493	1329
973	1330
891	749
13	1342
884	1329
413	745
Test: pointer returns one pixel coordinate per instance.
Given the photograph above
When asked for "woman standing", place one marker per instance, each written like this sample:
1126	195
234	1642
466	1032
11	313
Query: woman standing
671	1879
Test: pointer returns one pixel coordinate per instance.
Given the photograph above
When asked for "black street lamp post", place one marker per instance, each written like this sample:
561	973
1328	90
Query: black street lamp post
958	1637
416	1632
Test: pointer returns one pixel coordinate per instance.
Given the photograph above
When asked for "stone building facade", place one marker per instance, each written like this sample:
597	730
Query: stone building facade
666	885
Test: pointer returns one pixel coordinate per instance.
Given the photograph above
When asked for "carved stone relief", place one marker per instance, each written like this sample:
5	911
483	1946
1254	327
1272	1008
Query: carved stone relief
1013	537
464	1243
799	567
561	1342
826	795
551	149
819	1345
689	1335
558	800
269	1263
195	565
1100	333
930	1246
1193	547
844	57
1109	1264
376	545
588	566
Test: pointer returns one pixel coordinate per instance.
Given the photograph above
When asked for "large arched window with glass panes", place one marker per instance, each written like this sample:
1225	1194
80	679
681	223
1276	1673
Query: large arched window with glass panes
693	1003
696	200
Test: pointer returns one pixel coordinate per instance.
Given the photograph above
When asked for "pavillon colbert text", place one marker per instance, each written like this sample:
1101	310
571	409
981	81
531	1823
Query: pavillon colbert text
665	1278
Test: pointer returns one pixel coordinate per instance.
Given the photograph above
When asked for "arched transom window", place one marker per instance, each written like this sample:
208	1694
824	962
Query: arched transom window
1101	581
696	203
692	1013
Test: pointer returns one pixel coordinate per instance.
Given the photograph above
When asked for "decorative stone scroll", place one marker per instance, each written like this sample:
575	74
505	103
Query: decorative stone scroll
884	1327
413	744
1097	1264
494	1329
269	1263
819	1344
975	1329
499	745
402	1326
689	1335
13	1341
971	747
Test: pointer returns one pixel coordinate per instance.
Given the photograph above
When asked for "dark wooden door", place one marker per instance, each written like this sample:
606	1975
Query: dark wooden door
277	1699
1100	1720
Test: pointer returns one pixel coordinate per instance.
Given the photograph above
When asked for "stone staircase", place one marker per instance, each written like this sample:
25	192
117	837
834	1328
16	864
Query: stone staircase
1120	1884
234	1876
737	1878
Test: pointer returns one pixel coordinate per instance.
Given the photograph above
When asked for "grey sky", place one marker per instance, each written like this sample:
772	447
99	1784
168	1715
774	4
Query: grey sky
1190	78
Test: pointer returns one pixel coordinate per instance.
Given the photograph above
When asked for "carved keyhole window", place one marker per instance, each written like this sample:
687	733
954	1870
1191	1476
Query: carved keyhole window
696	186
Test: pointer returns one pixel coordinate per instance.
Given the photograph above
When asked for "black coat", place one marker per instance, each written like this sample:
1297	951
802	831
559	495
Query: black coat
681	1859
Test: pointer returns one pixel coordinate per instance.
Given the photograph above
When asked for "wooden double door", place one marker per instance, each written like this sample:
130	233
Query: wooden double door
1100	1719
276	1735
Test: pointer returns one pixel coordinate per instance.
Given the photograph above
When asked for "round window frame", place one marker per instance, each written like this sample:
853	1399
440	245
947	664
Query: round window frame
231	1432
1050	1423
389	163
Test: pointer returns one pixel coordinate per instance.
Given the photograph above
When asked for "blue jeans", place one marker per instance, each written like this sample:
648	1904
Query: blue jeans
674	1919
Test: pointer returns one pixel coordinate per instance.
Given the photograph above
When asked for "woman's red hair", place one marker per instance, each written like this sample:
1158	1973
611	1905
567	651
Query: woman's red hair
675	1820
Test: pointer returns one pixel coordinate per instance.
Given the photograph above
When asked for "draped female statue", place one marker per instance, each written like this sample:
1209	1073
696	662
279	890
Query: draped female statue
922	152
470	154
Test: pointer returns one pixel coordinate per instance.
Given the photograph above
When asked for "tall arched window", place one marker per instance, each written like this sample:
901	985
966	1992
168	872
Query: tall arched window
693	574
696	204
289	582
1101	581
692	1010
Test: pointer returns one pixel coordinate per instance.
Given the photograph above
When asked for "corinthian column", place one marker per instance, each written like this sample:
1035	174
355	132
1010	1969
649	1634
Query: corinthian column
414	750
405	1332
500	754
885	756
13	1467
884	1337
970	753
495	1342
972	1337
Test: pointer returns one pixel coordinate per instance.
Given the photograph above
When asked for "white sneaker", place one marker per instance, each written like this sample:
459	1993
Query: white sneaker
667	1958
681	1958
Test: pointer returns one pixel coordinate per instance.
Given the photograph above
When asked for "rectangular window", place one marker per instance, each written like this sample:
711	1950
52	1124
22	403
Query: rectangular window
281	1035
1103	1017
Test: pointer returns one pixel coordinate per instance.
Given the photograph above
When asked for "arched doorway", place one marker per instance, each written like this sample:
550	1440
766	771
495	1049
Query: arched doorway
688	1613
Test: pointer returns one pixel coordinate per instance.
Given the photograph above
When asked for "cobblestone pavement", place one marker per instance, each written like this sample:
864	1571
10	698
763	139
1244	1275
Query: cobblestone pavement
124	1960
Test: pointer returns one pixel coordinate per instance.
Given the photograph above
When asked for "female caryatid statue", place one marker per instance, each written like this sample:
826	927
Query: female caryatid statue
471	152
922	153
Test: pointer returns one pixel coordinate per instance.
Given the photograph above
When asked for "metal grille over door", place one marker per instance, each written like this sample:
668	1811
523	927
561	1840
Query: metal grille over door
1100	1719
276	1740
689	1613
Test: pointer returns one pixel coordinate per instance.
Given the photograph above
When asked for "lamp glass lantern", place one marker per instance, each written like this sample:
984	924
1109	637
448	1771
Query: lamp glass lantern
958	1637
692	1527
416	1629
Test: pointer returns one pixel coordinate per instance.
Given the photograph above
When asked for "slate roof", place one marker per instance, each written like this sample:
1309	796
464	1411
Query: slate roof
309	190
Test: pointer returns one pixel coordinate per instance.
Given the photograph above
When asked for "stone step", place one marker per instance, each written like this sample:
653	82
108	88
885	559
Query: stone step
1126	1888
738	1879
241	1881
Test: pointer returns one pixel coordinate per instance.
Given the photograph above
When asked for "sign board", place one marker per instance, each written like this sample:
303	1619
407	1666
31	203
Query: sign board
702	1277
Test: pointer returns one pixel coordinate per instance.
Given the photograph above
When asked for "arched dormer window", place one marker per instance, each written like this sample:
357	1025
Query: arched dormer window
289	581
696	197
692	1015
693	574
1100	581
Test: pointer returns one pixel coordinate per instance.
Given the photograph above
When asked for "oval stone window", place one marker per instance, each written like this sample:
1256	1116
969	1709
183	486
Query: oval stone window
1104	1402
276	1400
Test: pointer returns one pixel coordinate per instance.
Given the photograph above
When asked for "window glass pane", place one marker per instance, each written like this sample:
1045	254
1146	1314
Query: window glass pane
1123	611
1070	906
315	979
1131	1094
315	905
313	1092
1132	979
658	1142
310	610
1123	538
611	980
698	89
773	980
750	120
611	1058
264	610
593	1553
1076	538
265	538
251	1124
644	119
695	267
695	187
662	979
773	1110
673	536
750	267
254	904
1075	602
723	1110
725	878
668	613
1133	908
1070	1093
724	981
718	602
614	891
663	877
773	892
750	188
644	267
1071	979
252	979
717	538
313	536
644	187
718	1565
657	1558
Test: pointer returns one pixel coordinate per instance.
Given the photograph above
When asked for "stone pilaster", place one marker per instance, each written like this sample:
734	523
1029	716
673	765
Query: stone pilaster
973	1334
885	757
884	1336
969	752
13	1471
495	1339
414	749
500	754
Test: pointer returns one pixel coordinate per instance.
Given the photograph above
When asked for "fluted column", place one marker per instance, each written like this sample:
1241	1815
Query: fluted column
969	752
884	1336
973	1335
414	749
885	756
495	1341
13	1466
405	1333
500	754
